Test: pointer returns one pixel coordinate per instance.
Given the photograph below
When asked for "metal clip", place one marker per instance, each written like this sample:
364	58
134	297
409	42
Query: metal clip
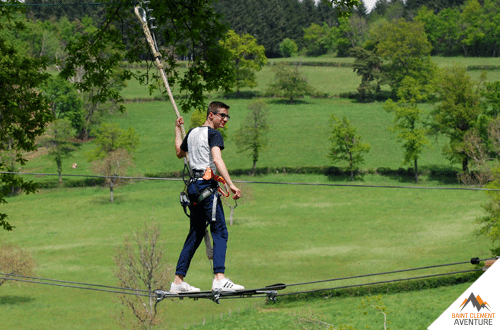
216	296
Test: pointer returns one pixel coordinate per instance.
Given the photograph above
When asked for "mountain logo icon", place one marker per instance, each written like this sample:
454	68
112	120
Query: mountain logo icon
476	302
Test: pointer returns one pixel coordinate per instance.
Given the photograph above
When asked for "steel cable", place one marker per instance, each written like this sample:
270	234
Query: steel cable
385	273
86	286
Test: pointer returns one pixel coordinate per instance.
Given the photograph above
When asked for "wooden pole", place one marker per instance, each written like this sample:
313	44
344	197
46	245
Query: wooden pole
141	15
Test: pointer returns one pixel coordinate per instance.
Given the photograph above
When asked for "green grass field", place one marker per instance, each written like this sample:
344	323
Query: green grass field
282	233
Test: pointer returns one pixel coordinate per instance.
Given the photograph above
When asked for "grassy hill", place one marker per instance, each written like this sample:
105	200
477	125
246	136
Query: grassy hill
282	233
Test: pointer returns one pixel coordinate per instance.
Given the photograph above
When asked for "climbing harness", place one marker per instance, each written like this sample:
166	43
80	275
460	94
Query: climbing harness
205	193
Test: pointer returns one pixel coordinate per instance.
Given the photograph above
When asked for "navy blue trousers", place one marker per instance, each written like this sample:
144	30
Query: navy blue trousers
201	214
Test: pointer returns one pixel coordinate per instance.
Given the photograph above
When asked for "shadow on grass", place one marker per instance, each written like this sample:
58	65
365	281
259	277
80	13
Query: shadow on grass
288	102
437	174
242	95
15	300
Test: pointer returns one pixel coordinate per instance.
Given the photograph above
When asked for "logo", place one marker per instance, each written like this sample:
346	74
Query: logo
477	307
473	318
476	302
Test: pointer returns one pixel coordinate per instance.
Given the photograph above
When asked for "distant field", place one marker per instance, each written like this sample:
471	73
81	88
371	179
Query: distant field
332	80
299	137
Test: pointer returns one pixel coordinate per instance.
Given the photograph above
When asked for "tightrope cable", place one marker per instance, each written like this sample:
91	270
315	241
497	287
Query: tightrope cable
379	282
146	293
389	272
77	285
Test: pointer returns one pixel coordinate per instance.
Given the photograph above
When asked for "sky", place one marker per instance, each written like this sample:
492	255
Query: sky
369	4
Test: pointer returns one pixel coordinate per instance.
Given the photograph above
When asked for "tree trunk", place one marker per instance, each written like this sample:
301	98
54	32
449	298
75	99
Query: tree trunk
111	191
416	171
465	165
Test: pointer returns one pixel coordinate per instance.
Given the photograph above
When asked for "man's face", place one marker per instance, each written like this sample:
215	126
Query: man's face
220	118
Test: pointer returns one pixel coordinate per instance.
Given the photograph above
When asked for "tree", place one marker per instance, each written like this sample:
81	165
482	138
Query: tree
252	134
65	101
289	82
369	66
345	7
140	266
408	121
349	34
406	49
113	153
247	57
457	111
319	39
24	111
484	155
346	145
288	48
58	141
15	261
491	221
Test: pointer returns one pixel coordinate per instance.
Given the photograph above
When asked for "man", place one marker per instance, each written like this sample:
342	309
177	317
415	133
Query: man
203	146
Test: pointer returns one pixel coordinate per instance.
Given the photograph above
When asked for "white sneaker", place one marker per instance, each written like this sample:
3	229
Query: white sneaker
225	285
183	287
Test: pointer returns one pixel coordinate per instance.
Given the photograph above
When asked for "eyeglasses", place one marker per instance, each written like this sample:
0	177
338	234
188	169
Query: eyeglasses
223	115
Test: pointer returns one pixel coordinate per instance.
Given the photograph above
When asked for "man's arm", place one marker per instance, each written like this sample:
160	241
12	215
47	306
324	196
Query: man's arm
178	138
221	168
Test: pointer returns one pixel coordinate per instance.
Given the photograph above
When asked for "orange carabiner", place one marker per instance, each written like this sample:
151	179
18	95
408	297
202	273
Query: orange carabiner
221	180
209	175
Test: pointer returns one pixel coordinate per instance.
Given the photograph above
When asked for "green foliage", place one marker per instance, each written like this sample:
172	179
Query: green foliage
271	21
376	303
369	66
247	57
408	121
318	39
252	134
346	145
58	141
24	111
345	7
288	48
65	101
349	33
490	223
110	137
289	82
458	110
406	48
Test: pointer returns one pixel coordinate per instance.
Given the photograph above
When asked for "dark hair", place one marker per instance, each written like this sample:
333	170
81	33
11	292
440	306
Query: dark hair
216	105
